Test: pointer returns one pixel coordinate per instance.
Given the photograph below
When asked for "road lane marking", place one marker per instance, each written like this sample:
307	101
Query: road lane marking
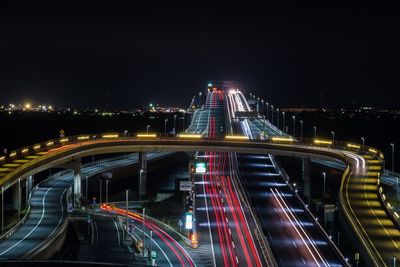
34	228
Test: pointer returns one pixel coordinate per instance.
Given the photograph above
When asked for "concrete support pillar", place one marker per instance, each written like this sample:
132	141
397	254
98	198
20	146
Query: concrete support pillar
2	209
306	175
142	173
16	196
29	184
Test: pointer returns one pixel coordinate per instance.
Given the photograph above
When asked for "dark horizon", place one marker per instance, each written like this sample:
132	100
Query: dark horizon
291	55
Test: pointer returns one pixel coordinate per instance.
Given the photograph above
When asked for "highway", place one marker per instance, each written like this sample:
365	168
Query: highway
290	229
169	251
49	210
104	243
377	234
219	210
380	236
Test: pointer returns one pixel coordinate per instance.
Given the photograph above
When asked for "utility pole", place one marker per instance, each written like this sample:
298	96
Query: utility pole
144	235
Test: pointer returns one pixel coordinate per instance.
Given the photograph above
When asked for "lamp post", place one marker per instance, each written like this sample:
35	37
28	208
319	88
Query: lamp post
262	106
147	128
267	110
283	121
127	207
174	124
143	221
301	128
165	127
315	131
294	126
363	142
324	175
392	145
140	184
333	137
2	209
277	118
19	198
272	114
264	122
106	190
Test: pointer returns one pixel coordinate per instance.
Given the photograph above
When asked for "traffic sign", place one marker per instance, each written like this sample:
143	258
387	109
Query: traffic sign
70	208
153	254
185	185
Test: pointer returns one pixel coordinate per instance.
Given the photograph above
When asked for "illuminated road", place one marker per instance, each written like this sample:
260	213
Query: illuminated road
218	206
169	251
48	211
381	235
377	234
291	231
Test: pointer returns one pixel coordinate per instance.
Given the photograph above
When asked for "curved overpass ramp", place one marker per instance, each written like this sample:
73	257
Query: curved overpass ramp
377	234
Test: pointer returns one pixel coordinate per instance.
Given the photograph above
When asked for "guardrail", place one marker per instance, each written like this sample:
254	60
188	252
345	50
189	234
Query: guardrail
79	139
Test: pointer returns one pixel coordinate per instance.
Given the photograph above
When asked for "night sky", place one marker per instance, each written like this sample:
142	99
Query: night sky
291	55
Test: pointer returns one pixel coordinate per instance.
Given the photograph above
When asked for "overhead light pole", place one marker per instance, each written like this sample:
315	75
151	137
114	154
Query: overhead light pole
272	114
165	127
267	110
277	118
324	175
283	121
301	128
262	106
175	124
294	125
363	142
140	185
315	131
333	137
147	128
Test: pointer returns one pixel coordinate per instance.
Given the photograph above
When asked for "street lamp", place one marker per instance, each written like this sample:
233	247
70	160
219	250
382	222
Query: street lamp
277	117
147	128
324	175
174	124
315	131
294	126
392	145
165	127
127	207
333	137
267	110
301	128
272	114
283	121
262	106
363	142
106	190
140	185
